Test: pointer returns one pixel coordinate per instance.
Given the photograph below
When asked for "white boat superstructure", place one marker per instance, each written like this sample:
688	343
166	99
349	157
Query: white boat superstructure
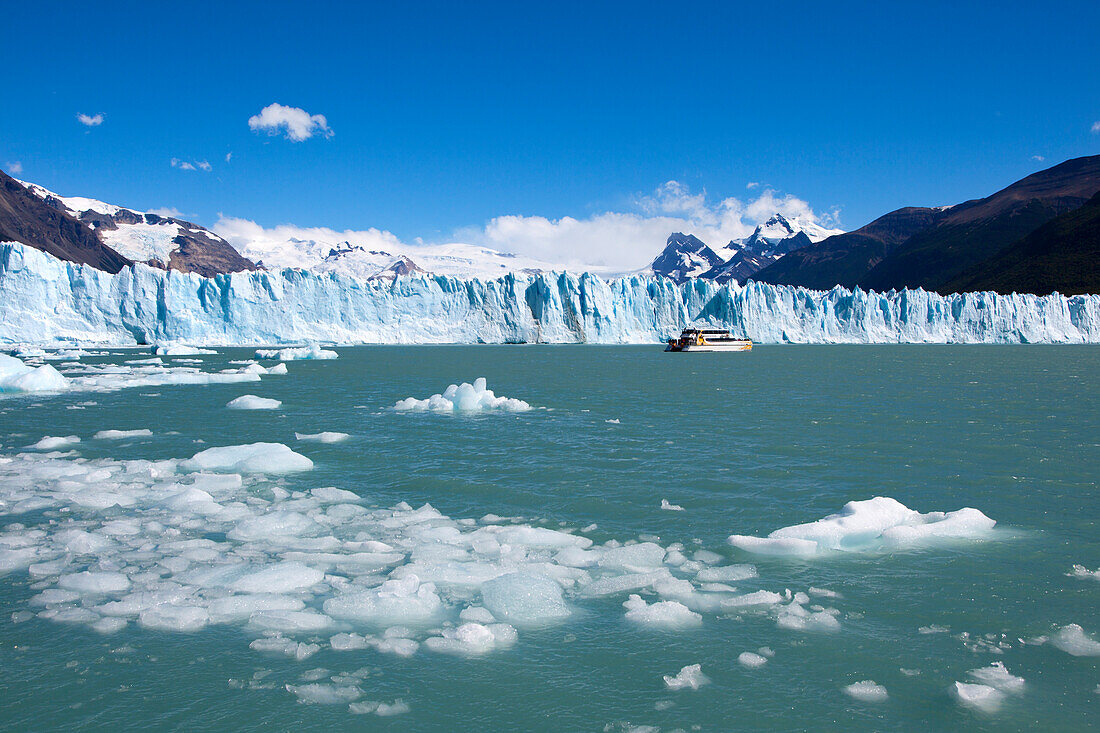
694	339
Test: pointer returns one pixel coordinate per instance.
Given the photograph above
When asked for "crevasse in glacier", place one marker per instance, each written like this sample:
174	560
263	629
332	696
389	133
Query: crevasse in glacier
43	299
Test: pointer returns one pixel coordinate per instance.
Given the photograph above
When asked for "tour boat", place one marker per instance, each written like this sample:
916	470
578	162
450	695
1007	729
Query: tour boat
694	339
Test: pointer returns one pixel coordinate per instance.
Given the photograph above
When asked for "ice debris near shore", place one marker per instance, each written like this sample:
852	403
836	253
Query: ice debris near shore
880	524
253	402
313	351
1072	639
44	299
991	686
866	691
690	677
463	397
15	376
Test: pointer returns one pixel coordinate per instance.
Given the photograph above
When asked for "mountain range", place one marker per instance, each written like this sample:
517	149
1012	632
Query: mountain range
1040	234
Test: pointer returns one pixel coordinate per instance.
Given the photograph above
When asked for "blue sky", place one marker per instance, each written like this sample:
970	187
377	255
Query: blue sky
444	116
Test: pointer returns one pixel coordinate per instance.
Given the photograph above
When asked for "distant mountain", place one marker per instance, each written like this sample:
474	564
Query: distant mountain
684	257
160	241
1062	255
844	259
933	248
769	241
26	218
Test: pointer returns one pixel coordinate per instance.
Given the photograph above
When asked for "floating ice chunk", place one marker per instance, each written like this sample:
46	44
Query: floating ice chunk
476	614
79	542
524	599
289	647
281	578
15	376
1072	639
613	421
348	642
726	574
756	598
51	442
633	558
622	583
241	607
1080	571
289	621
324	694
751	660
877	524
463	397
324	437
174	618
98	582
396	601
866	691
670	507
795	616
109	625
252	402
332	495
690	676
180	350
381	709
251	458
122	434
275	525
979	697
995	675
667	614
313	351
472	639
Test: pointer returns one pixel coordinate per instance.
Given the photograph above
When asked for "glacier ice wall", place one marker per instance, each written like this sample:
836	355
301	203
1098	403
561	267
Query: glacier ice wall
43	299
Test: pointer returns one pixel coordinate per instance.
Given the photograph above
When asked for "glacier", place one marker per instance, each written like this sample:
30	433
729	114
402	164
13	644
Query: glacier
44	300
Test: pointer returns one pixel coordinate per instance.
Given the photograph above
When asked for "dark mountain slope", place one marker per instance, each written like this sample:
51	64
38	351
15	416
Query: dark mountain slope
1062	255
26	218
977	230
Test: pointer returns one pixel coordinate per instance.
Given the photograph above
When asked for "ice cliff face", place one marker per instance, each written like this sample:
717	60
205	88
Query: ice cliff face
43	299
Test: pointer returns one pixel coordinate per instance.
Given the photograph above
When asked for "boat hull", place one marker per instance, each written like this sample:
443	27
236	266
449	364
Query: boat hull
731	346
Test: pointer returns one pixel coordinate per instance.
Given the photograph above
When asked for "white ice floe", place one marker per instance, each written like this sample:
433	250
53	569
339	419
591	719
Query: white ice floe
524	599
1080	571
984	698
122	434
56	442
866	691
689	677
996	676
667	614
251	458
15	376
324	437
472	639
313	351
180	350
752	660
325	694
880	524
463	397
1072	639
381	709
253	402
670	507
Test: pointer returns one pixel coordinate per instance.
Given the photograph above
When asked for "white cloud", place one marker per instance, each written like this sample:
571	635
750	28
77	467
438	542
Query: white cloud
295	122
1038	158
205	165
15	167
752	184
609	242
228	156
90	120
167	211
183	165
1096	128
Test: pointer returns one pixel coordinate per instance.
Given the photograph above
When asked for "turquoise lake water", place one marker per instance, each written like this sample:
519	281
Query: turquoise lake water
745	443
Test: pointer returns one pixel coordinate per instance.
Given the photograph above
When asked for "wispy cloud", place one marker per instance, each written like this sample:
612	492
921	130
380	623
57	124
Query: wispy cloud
294	122
186	165
15	167
90	120
229	156
1096	128
167	211
1038	158
752	184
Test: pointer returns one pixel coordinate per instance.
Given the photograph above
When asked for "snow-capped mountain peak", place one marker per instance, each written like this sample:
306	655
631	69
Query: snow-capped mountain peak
684	256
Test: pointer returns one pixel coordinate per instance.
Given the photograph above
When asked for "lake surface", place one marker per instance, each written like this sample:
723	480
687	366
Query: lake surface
745	443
